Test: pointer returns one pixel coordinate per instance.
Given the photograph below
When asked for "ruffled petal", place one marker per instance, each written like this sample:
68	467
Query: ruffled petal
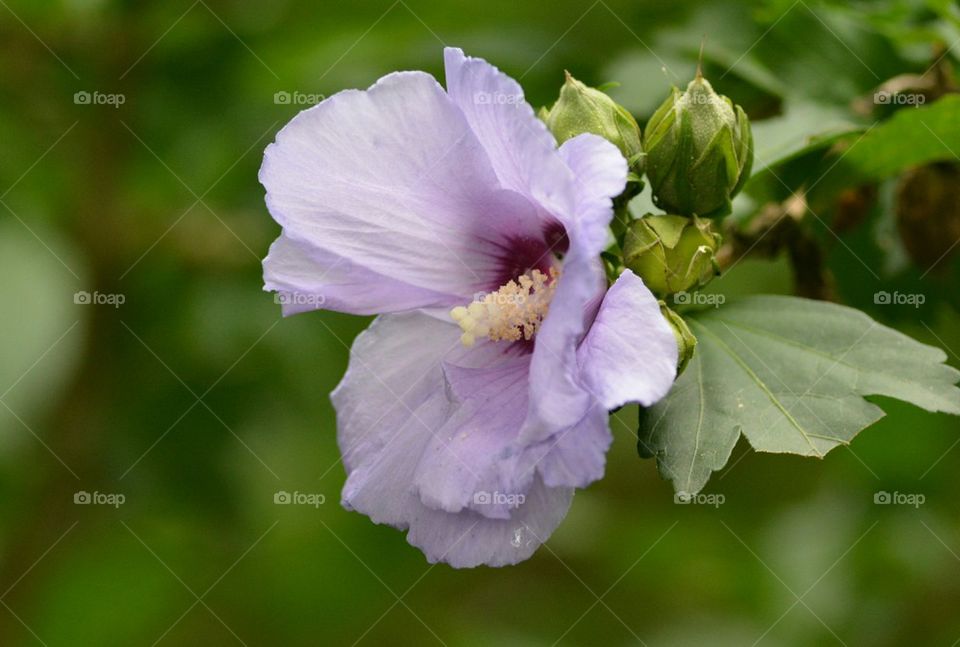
310	278
391	408
577	456
630	352
519	145
395	367
473	460
394	182
477	460
467	539
558	397
464	539
600	174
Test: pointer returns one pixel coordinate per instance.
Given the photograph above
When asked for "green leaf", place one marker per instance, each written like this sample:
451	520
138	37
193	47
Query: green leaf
803	128
789	374
911	137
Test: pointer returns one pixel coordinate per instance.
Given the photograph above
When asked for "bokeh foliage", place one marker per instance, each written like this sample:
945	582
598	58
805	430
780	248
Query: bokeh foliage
195	401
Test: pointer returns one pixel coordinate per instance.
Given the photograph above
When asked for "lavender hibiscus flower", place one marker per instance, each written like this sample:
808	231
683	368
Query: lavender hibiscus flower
477	401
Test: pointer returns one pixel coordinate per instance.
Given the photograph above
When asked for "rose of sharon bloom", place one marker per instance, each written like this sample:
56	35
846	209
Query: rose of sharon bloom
477	401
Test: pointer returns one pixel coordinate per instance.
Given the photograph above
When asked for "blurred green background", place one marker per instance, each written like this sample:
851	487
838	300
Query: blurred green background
194	401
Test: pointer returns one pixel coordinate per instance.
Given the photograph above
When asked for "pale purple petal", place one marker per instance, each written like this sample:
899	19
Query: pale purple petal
463	539
398	360
521	148
394	180
475	450
380	478
558	398
467	539
630	353
601	175
576	457
310	278
395	367
479	448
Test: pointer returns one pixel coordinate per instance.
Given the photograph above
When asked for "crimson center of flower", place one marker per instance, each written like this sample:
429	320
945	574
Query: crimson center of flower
515	311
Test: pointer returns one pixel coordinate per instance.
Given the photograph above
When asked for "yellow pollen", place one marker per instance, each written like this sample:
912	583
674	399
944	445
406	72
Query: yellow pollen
513	312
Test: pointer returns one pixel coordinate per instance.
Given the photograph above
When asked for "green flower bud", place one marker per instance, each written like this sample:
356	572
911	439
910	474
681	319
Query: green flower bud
686	342
582	109
699	151
671	253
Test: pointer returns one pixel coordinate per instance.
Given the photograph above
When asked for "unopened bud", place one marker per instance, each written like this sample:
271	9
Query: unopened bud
671	253
582	109
699	151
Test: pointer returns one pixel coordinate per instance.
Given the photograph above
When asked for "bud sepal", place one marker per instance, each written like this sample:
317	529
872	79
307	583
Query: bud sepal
686	342
671	253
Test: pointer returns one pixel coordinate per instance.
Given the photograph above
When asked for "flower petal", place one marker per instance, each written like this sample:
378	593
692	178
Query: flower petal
558	397
394	369
478	450
576	457
630	353
475	451
394	180
308	277
383	446
601	175
521	148
467	539
463	539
